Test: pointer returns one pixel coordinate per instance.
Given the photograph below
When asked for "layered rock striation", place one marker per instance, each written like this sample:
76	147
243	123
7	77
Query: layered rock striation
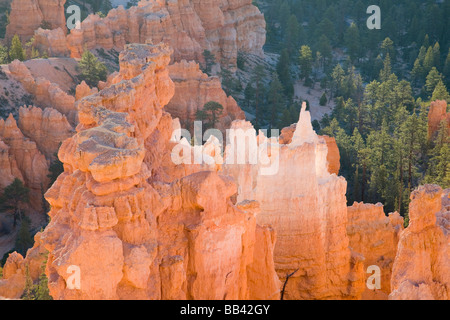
28	15
188	26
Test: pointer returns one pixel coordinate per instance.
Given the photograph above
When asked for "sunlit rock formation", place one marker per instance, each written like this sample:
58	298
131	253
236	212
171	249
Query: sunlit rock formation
421	269
306	206
437	114
28	15
48	128
193	89
44	92
188	26
375	236
24	155
132	239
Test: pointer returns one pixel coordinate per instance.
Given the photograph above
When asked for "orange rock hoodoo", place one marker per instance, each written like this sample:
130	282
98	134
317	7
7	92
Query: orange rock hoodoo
132	239
188	26
28	15
422	266
437	114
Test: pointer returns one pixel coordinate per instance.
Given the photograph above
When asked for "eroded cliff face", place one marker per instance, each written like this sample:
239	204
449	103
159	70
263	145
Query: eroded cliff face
193	89
22	158
28	15
306	206
188	26
375	236
45	93
421	269
140	240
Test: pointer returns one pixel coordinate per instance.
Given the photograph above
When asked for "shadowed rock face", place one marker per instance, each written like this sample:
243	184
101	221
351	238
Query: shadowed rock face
130	239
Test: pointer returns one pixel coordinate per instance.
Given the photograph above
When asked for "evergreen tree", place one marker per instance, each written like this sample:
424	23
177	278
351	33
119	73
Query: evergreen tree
352	41
91	69
16	51
306	60
14	196
440	92
428	62
210	60
433	79
284	74
24	241
257	78
3	55
275	100
323	100
211	112
386	72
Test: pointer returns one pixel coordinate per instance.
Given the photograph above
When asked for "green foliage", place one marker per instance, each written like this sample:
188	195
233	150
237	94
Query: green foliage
13	197
440	92
16	50
38	290
323	100
306	61
91	69
24	240
210	113
4	59
210	60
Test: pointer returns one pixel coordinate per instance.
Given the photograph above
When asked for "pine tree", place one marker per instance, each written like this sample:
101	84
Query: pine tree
16	51
257	79
210	60
437	55
323	100
386	72
3	55
387	48
428	62
433	79
275	100
284	73
91	69
14	196
24	241
306	60
440	92
352	41
292	36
